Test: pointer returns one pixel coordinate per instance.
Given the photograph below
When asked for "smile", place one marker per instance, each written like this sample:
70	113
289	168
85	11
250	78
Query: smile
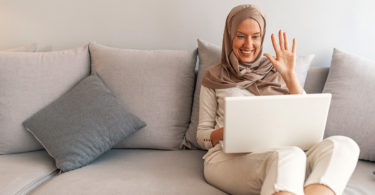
247	51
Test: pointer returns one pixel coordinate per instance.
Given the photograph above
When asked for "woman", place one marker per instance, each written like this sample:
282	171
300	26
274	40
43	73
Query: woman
243	71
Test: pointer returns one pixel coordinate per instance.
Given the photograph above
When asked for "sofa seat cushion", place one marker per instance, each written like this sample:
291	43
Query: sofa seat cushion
19	173
131	171
362	181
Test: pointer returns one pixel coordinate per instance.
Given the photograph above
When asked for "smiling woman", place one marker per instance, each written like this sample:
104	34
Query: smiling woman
243	71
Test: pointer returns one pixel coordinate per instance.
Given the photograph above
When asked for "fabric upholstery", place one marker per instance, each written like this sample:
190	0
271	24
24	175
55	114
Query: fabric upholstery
156	85
20	171
209	54
29	82
351	80
315	79
82	124
362	181
163	172
130	171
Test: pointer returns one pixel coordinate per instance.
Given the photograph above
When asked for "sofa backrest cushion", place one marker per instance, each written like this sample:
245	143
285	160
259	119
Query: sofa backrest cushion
209	54
315	79
156	85
351	80
29	82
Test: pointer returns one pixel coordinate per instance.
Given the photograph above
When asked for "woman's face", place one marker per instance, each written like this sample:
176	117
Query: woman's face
247	41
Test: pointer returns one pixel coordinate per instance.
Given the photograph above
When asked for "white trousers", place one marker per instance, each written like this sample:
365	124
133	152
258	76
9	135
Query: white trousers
330	162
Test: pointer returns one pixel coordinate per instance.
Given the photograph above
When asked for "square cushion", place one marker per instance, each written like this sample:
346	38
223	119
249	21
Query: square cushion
210	54
156	85
29	82
351	80
82	124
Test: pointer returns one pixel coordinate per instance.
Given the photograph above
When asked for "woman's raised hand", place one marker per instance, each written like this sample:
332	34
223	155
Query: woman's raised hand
285	59
285	62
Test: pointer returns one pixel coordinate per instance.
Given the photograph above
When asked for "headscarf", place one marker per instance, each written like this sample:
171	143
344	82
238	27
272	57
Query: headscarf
259	76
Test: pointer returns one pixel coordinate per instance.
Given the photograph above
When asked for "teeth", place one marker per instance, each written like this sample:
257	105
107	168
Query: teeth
247	52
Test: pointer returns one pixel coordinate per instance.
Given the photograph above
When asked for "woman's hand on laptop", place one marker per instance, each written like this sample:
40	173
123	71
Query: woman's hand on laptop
216	136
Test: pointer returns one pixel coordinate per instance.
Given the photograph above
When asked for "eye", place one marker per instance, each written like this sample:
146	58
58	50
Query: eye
240	36
255	36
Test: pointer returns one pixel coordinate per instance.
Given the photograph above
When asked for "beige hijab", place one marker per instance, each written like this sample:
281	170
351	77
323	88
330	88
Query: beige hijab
259	77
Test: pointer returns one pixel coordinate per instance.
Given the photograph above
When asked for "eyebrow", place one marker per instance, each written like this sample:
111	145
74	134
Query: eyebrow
245	33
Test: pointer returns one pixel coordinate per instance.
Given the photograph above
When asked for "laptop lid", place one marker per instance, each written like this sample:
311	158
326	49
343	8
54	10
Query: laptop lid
260	123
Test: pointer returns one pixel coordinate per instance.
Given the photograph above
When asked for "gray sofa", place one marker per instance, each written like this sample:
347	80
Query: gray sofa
139	171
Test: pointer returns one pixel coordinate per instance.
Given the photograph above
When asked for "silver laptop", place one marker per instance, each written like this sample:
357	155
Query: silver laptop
260	123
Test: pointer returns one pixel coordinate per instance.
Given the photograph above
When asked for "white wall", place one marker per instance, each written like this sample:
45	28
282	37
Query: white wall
318	25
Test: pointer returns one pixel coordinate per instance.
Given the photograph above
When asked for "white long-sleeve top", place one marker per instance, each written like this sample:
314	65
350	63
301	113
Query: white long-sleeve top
211	111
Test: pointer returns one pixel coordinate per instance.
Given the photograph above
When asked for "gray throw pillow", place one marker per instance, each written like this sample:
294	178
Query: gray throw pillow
210	54
82	124
351	80
157	85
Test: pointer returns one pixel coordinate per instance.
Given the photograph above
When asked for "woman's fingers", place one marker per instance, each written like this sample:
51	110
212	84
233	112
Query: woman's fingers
284	45
281	40
275	44
286	41
294	46
271	58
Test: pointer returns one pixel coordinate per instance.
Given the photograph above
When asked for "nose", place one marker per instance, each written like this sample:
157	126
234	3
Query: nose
248	42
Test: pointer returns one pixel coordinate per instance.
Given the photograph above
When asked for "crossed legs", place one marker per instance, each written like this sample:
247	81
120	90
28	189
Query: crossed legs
328	167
